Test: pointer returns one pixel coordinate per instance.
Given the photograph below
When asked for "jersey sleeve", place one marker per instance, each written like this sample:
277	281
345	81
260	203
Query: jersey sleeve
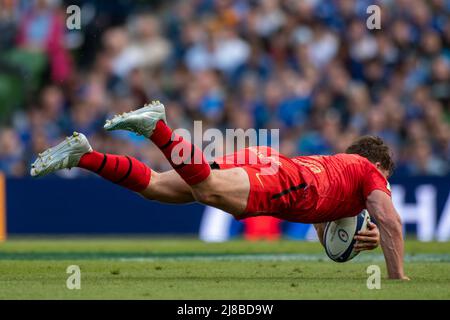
374	180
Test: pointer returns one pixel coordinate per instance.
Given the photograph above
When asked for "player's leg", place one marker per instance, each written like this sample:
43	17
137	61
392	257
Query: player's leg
225	189
168	187
128	172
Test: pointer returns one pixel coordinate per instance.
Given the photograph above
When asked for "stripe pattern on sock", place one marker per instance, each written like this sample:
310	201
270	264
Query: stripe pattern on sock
125	171
193	168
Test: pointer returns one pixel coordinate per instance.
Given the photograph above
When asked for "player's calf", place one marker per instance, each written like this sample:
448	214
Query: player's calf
125	171
75	151
186	158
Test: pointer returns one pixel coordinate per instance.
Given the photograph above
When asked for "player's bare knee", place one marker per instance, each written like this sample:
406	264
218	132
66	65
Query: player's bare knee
201	195
205	196
150	192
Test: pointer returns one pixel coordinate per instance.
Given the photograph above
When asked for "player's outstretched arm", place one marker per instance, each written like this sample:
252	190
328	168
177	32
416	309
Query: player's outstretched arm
380	206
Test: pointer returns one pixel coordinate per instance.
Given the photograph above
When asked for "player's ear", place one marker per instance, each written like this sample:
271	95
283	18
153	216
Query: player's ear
378	165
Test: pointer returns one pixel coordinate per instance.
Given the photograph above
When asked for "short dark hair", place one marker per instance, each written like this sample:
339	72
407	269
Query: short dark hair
375	150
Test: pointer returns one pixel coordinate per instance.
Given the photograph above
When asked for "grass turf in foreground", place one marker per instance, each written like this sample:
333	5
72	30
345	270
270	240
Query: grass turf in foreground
190	269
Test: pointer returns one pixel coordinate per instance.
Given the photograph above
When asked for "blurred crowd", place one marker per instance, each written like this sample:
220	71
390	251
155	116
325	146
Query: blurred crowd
311	68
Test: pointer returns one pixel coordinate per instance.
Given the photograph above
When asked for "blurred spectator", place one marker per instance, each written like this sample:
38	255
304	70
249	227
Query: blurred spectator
222	50
41	29
11	153
424	162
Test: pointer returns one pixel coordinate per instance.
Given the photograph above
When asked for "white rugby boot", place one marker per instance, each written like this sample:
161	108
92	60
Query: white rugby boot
141	121
65	155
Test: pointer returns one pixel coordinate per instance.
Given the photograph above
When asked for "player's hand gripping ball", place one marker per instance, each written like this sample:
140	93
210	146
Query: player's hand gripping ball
339	237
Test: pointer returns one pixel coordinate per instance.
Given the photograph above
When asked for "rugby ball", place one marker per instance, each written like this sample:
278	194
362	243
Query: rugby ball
338	236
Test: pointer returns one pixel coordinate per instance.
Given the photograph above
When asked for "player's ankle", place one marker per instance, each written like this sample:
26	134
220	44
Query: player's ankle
161	134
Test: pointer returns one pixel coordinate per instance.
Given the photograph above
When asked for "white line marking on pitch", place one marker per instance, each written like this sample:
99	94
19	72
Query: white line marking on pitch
287	257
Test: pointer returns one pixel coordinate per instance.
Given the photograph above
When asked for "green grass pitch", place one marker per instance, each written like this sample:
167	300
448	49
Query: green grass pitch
149	268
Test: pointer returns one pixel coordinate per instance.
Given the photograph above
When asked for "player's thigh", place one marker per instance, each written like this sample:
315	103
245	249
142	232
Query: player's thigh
225	189
168	187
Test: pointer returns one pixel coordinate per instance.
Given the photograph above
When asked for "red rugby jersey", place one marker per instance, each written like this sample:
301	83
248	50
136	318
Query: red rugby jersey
341	182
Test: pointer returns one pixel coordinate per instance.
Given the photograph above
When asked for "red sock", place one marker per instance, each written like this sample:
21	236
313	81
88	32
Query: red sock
125	171
187	159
